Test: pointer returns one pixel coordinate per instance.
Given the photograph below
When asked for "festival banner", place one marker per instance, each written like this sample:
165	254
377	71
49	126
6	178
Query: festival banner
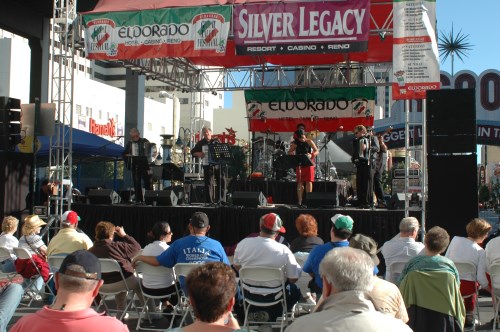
415	52
330	110
165	32
301	27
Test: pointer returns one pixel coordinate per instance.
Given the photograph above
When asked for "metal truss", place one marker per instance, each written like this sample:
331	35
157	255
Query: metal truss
62	85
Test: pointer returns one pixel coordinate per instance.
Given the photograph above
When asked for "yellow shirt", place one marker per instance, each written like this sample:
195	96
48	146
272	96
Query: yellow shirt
68	240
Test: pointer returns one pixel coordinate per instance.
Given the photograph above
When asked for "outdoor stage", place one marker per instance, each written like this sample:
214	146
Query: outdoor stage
231	224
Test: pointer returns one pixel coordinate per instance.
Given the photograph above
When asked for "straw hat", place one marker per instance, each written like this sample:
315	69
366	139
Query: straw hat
31	223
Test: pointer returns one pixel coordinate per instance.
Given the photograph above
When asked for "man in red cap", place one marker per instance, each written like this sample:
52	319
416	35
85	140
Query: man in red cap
265	251
68	239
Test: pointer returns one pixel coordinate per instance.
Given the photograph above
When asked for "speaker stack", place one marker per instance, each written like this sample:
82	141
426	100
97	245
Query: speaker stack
321	199
160	197
451	159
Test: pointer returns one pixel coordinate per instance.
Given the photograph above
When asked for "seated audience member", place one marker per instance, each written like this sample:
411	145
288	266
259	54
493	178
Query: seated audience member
77	282
468	249
385	295
347	275
212	289
122	252
9	241
339	237
436	242
10	296
31	241
151	284
403	246
308	234
181	250
68	239
265	251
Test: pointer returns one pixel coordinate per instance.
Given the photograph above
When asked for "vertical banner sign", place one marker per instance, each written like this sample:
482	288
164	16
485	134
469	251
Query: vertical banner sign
166	32
330	110
302	27
415	53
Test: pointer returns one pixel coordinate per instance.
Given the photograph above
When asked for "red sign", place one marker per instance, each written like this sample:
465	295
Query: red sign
108	129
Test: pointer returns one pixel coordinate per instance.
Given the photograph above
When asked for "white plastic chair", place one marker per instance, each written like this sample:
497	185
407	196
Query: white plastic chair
109	265
5	253
396	268
32	292
181	270
143	268
495	288
250	278
469	269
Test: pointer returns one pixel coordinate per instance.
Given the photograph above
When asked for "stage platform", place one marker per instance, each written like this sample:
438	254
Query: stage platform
231	224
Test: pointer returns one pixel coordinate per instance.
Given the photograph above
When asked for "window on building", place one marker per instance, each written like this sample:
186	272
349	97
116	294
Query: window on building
89	113
79	109
116	118
108	116
100	114
81	67
150	126
89	70
163	130
220	96
184	101
207	103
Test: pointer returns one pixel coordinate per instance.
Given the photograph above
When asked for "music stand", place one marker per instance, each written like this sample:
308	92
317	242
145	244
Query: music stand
219	154
293	161
172	172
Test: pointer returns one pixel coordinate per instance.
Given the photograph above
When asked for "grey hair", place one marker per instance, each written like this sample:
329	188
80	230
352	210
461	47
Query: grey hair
348	269
408	224
76	284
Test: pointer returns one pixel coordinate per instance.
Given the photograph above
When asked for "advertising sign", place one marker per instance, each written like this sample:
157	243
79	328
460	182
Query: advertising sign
165	32
280	110
302	27
415	52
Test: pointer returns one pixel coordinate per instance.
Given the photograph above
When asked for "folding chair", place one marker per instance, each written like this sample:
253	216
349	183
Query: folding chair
5	253
250	278
143	268
468	270
109	265
396	269
181	270
495	288
30	290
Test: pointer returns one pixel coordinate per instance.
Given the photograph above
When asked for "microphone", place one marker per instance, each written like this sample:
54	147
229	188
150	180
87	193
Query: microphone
121	136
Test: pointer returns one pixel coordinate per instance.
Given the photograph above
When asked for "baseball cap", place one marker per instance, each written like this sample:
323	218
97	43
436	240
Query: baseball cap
87	260
199	220
272	222
342	222
367	244
70	217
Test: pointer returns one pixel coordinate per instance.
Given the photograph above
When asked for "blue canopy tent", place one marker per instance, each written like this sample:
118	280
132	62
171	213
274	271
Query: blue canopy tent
87	148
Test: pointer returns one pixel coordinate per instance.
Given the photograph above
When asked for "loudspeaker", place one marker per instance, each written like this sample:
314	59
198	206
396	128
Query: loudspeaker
103	196
397	202
196	192
127	195
249	198
160	198
452	200
451	121
321	199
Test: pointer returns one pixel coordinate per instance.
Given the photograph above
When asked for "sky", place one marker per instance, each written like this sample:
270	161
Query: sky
479	19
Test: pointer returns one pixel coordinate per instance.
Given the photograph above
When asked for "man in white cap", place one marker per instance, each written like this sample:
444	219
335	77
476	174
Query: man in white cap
68	239
264	250
339	235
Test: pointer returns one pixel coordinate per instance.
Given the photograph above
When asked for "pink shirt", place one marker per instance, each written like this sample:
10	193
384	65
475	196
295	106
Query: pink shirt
85	320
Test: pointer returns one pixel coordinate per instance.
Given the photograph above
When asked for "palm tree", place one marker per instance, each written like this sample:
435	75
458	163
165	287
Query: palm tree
451	45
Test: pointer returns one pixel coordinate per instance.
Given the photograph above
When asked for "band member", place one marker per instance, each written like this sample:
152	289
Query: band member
364	149
136	158
305	174
211	173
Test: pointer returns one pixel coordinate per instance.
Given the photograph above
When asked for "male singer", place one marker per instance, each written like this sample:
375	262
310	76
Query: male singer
135	155
211	173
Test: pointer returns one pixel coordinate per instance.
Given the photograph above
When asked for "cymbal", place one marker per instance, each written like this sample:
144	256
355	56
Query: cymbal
313	134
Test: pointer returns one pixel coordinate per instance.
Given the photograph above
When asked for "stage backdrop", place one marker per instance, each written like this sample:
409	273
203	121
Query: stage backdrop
280	110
